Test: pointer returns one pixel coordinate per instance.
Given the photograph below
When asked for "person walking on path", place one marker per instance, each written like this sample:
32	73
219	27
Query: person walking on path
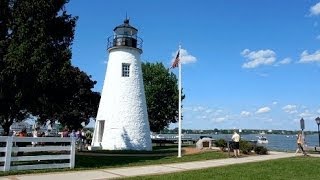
300	144
236	148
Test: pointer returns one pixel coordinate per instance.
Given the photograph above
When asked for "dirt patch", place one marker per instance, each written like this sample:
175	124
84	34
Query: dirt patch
194	150
191	150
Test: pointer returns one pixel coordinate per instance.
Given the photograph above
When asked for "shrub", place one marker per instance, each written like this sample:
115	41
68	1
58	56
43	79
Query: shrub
261	150
246	147
221	143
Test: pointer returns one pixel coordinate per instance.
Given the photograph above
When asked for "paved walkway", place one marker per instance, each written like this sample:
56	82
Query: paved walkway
147	170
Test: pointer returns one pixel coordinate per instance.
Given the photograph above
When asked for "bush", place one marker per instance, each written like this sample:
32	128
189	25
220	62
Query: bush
261	150
246	147
221	143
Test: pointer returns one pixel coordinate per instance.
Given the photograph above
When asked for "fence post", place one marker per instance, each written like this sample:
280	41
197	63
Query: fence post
7	161
72	152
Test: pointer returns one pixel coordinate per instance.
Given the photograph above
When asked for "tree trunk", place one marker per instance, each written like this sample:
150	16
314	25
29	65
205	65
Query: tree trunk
6	127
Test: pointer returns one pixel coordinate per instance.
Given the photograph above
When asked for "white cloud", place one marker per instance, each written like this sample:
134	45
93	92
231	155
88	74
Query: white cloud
218	112
185	57
263	110
258	58
274	102
305	57
268	120
219	120
198	108
306	114
291	109
315	10
245	113
202	117
285	61
318	111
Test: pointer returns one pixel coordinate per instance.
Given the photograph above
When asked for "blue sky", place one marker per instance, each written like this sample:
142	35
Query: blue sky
248	63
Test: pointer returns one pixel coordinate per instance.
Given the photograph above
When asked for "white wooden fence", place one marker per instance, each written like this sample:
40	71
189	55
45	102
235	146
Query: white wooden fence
57	149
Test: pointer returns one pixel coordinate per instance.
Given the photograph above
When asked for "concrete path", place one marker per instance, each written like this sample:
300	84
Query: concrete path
147	170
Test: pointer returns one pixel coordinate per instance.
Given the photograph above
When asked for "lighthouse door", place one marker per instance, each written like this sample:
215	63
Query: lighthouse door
101	130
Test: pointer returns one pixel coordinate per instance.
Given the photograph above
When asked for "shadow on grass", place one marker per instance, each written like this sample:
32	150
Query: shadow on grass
155	150
95	159
85	161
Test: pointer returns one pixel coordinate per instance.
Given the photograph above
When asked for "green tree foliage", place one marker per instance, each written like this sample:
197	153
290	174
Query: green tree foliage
162	95
36	74
82	104
11	99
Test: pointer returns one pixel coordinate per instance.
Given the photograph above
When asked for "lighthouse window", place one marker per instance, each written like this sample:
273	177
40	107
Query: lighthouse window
125	70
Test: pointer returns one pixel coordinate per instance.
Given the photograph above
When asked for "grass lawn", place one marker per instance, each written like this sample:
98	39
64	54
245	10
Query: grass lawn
90	162
297	168
96	161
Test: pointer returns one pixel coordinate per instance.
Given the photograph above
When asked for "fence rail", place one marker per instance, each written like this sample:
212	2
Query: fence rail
18	154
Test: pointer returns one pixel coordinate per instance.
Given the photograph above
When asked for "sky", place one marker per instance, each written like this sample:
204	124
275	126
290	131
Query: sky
247	64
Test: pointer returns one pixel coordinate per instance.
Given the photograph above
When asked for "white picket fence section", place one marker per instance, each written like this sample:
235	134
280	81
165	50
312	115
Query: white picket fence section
67	152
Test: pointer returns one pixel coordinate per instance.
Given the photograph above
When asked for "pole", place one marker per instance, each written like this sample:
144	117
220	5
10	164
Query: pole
319	134
179	135
303	138
302	128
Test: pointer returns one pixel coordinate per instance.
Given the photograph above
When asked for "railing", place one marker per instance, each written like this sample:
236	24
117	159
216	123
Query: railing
50	152
124	40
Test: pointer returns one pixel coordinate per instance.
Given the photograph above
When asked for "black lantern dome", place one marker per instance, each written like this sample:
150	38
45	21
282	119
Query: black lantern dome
125	35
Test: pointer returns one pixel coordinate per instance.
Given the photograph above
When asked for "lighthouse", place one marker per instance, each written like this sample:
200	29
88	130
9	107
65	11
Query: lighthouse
122	119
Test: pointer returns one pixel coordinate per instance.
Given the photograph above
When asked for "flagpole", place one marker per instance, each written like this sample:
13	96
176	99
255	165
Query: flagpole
179	135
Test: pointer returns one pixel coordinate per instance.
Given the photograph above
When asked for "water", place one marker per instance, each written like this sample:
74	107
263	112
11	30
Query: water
276	141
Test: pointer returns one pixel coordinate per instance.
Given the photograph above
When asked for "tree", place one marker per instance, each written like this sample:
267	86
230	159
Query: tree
36	74
11	107
82	105
162	95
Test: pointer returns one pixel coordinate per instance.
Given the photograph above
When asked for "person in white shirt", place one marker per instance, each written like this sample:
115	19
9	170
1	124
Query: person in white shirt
35	133
236	138
300	141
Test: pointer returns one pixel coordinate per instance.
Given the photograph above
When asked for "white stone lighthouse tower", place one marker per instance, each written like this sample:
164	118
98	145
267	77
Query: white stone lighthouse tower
122	119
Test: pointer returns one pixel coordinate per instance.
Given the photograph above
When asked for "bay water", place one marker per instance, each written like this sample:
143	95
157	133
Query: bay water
276	142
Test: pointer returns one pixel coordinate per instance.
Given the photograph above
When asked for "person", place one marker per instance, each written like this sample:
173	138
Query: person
35	134
22	133
236	146
88	137
79	139
65	133
83	136
300	144
47	133
73	134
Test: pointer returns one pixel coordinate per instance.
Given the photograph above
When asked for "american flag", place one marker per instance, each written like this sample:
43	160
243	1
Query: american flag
176	61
